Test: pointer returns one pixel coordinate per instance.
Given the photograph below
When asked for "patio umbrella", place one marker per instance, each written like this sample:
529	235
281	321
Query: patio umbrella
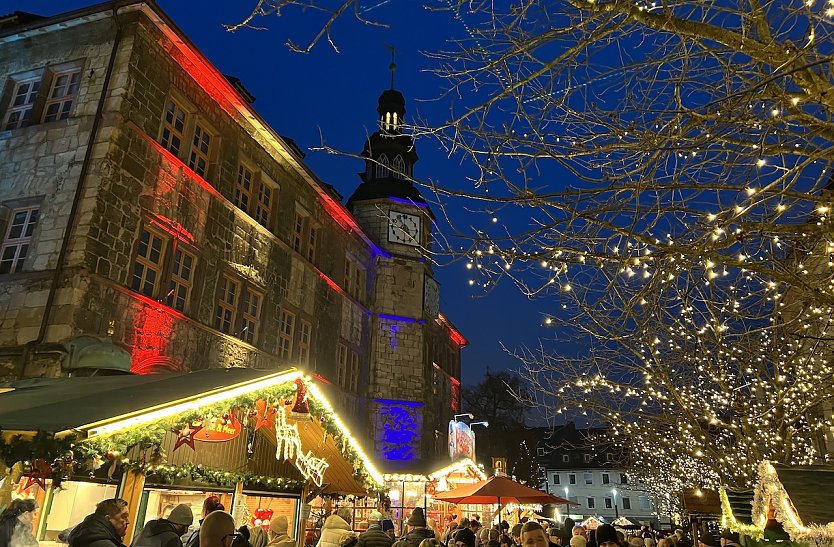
500	490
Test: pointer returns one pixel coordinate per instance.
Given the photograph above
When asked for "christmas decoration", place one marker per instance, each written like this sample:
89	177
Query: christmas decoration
264	414
301	407
262	518
185	435
39	472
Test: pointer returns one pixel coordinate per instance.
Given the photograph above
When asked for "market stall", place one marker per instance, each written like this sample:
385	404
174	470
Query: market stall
788	502
416	487
264	443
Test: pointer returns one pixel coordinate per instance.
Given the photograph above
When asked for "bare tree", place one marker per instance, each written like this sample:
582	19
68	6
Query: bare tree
660	172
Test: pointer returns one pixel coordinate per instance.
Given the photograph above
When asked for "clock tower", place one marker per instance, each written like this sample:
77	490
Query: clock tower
412	394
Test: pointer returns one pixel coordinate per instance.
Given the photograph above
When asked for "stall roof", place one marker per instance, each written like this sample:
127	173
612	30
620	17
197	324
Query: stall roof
60	404
810	490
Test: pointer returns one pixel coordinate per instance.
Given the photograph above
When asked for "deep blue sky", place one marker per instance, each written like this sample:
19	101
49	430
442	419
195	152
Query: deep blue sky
331	96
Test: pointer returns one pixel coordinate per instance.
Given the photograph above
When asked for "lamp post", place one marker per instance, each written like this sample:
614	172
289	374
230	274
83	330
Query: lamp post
616	509
467	414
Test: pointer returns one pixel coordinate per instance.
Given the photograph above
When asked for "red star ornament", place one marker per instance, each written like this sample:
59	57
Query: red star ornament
186	435
265	414
40	472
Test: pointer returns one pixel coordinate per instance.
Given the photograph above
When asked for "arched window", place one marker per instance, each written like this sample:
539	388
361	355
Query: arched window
382	167
399	166
387	121
396	123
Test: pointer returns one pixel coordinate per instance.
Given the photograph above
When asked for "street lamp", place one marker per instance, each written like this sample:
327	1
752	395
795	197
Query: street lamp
616	509
470	415
484	423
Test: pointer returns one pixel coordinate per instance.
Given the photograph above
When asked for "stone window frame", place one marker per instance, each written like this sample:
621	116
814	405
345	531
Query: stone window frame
8	211
592	503
238	318
626	503
195	149
143	263
381	167
304	345
46	79
355	368
609	503
356	278
606	479
192	120
168	279
398	167
342	357
286	333
304	233
68	91
588	477
261	196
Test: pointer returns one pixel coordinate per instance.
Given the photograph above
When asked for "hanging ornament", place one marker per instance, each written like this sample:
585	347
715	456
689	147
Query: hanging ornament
38	474
301	408
186	435
264	414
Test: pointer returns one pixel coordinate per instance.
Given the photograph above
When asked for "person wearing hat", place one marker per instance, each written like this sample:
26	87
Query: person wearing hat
336	529
218	530
388	528
417	530
464	538
729	538
374	536
706	540
278	532
166	532
606	536
554	536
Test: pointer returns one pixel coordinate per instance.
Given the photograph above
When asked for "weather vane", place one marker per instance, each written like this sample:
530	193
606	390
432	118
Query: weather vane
393	66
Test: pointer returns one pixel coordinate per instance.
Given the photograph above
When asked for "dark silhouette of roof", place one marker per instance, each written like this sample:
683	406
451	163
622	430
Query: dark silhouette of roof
17	18
810	488
240	88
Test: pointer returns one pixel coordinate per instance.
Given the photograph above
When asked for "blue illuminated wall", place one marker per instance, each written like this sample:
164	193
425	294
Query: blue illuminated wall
398	430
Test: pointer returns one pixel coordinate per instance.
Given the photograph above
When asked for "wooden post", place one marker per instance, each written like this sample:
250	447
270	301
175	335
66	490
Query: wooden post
237	499
130	489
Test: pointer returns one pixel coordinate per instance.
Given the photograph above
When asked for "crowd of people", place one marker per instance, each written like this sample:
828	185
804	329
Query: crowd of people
108	524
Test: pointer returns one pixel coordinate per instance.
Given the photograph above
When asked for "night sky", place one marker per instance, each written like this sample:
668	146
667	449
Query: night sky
331	96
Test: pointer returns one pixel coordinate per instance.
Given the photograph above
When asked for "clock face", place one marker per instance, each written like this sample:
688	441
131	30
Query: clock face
403	228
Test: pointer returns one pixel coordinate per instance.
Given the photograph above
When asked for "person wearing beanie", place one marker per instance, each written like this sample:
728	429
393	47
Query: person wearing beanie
606	536
464	538
388	528
417	530
729	538
554	536
218	530
707	540
375	536
278	534
210	505
166	532
336	530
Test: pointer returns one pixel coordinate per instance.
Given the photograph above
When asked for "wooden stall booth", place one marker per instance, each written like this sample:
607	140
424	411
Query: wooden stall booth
264	443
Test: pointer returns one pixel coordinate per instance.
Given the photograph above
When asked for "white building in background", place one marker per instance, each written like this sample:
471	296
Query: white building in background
582	466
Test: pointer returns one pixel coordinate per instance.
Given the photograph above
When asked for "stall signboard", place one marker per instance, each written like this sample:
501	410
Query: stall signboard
461	441
222	428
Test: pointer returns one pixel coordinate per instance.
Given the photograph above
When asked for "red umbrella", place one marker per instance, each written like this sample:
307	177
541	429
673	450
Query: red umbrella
499	489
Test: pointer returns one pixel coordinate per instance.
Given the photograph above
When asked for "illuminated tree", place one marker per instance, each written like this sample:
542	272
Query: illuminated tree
658	172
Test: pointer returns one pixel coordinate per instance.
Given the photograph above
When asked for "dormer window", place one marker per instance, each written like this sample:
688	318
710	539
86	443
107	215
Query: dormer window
382	167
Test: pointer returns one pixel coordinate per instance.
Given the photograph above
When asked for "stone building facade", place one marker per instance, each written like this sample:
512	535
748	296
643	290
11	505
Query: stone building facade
151	221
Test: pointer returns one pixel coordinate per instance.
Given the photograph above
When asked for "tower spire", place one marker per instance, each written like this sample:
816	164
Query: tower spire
393	66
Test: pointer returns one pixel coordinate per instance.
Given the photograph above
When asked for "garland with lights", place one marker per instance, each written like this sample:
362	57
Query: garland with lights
146	439
728	519
770	492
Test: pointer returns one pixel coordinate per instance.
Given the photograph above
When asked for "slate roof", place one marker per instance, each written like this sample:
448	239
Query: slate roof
811	489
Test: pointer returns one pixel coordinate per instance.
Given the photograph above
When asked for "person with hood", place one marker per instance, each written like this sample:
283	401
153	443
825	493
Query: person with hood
606	536
388	528
464	537
258	537
166	532
278	532
374	536
16	524
104	528
417	530
218	530
336	530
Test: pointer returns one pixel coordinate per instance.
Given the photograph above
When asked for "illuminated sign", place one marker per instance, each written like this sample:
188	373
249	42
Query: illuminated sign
461	441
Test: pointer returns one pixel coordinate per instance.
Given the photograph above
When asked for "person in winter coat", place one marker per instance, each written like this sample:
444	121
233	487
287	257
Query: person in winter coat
336	529
374	536
218	530
104	528
278	535
210	505
166	532
417	530
16	524
258	537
